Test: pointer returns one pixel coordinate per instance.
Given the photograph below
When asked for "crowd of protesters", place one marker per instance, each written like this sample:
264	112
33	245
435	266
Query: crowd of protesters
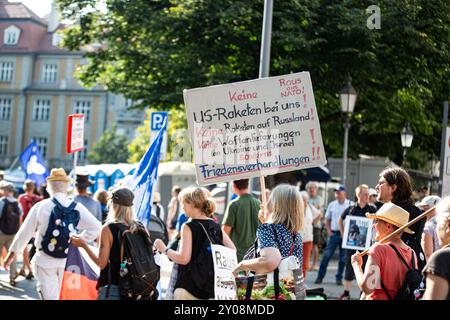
291	223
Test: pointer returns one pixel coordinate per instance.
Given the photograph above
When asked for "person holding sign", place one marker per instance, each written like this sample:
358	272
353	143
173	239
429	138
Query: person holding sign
359	209
385	271
196	270
282	219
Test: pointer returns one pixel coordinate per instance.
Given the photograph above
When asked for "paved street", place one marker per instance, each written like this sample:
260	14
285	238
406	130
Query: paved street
26	289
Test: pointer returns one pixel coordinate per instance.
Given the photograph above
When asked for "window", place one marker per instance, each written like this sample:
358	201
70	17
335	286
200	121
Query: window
49	73
42	143
84	107
41	110
11	35
5	108
56	39
3	145
6	71
128	103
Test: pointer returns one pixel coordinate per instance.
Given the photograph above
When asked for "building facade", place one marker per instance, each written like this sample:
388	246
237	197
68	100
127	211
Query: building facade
38	90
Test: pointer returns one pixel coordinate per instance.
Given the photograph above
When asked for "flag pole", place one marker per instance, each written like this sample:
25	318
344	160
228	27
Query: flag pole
400	230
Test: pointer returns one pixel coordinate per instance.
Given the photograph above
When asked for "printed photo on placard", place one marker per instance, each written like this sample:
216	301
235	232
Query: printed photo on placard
357	233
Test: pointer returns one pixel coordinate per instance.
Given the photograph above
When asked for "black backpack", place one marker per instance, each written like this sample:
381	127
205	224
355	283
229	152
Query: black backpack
139	274
157	229
201	267
410	289
62	224
10	220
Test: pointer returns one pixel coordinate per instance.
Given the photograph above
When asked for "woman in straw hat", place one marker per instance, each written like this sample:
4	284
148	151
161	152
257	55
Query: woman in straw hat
384	271
437	270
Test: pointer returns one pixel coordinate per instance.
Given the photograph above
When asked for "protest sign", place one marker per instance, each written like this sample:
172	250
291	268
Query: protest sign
446	176
225	261
254	128
357	233
75	133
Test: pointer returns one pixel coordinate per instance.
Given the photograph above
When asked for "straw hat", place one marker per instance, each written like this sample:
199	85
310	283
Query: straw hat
58	174
392	214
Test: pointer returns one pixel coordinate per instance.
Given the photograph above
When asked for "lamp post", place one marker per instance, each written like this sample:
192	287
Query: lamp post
348	96
407	138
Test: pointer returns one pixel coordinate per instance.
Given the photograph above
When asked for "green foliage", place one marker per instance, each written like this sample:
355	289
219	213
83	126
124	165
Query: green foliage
178	146
153	49
110	148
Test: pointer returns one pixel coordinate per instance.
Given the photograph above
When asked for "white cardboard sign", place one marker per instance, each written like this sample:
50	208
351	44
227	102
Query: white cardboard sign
75	133
357	233
446	164
225	261
253	128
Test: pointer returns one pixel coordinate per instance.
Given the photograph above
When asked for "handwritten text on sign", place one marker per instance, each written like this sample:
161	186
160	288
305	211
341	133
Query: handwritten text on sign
252	128
225	261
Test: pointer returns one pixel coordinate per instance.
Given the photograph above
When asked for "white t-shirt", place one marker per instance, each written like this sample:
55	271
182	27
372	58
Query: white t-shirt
307	230
334	212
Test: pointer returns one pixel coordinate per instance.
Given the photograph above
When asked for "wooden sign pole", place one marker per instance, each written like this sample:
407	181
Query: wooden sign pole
400	230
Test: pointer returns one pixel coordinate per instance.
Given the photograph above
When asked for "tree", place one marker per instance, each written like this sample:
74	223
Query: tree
110	148
152	50
178	146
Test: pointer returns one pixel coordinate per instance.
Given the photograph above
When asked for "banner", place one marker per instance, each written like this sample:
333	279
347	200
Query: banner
253	128
143	179
225	261
33	164
80	276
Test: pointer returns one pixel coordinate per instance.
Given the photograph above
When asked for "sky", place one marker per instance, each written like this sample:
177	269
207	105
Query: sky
40	7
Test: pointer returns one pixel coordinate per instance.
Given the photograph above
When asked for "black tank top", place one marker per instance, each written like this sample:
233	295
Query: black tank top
198	239
114	258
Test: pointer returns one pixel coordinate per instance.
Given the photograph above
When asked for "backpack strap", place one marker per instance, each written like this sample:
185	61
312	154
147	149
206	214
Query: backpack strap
403	259
207	235
385	290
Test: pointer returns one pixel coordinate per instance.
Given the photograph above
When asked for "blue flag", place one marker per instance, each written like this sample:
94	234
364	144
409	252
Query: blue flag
33	164
143	179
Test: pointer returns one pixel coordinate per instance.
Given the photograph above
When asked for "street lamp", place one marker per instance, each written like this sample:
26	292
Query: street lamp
348	96
407	138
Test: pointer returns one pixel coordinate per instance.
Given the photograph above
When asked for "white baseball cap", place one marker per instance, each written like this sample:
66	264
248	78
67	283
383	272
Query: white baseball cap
429	201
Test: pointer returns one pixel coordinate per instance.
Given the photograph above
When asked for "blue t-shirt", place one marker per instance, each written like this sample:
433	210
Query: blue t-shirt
266	239
182	218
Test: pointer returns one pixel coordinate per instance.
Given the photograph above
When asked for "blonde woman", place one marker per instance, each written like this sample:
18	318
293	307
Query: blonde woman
437	270
120	217
195	272
284	216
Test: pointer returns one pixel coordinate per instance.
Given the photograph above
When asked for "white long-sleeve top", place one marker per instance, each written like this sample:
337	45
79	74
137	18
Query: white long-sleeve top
36	225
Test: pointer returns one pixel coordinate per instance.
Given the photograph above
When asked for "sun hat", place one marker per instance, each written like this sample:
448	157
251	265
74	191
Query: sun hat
82	181
393	214
58	174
